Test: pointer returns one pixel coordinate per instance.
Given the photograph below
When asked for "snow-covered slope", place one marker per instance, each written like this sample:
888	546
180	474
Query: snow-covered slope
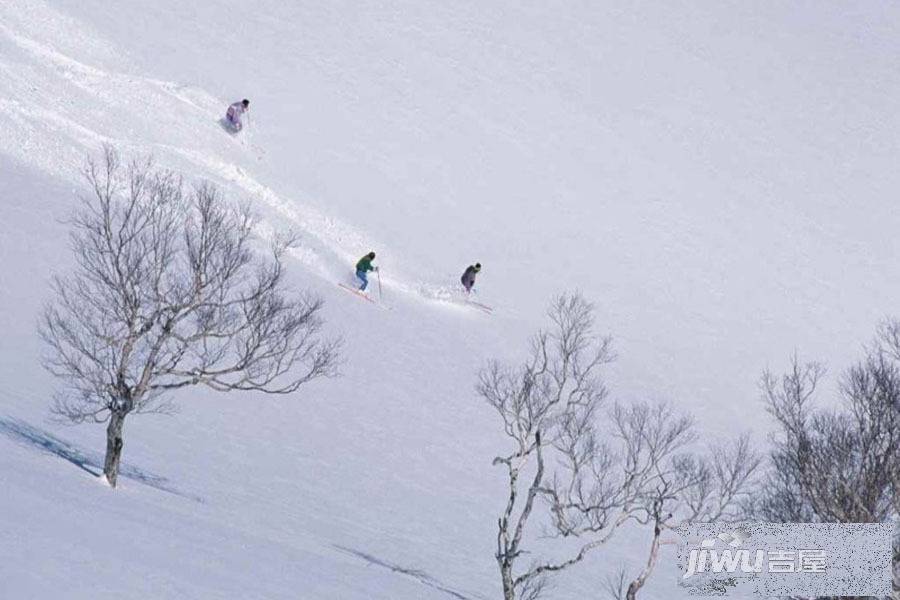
718	179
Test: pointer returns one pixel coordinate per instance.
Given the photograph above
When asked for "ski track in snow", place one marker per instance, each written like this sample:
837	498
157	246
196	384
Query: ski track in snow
48	122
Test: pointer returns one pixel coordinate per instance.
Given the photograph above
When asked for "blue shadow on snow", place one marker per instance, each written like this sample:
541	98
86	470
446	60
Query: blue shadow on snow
27	434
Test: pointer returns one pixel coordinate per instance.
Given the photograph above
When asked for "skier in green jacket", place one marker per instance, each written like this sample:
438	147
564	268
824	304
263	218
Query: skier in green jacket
363	267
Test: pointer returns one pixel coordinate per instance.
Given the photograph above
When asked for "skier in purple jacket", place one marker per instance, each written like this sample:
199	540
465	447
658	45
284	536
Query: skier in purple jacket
468	278
235	112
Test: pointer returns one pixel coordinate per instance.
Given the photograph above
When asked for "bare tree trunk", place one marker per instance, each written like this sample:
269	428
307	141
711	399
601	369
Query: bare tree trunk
113	446
509	589
635	586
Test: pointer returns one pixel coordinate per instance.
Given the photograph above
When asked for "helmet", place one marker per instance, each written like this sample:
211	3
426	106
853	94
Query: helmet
477	266
371	255
245	102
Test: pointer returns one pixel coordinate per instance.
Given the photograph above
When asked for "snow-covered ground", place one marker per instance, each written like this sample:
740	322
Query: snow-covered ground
719	178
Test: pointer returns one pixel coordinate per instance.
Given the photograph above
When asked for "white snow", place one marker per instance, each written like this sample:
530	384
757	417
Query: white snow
719	178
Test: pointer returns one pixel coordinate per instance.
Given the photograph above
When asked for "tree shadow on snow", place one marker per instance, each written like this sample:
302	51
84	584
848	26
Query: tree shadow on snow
28	435
417	574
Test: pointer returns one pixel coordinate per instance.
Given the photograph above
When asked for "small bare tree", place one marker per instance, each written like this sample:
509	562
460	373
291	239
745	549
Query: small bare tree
692	488
168	293
550	410
840	465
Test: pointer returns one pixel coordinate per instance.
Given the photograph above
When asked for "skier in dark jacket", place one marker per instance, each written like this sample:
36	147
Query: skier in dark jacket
235	112
468	278
363	266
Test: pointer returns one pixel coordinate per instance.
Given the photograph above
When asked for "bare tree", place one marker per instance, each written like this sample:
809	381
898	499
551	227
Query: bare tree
839	465
167	292
590	481
693	488
888	344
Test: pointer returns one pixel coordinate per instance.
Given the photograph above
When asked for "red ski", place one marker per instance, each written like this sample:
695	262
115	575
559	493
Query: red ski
356	292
